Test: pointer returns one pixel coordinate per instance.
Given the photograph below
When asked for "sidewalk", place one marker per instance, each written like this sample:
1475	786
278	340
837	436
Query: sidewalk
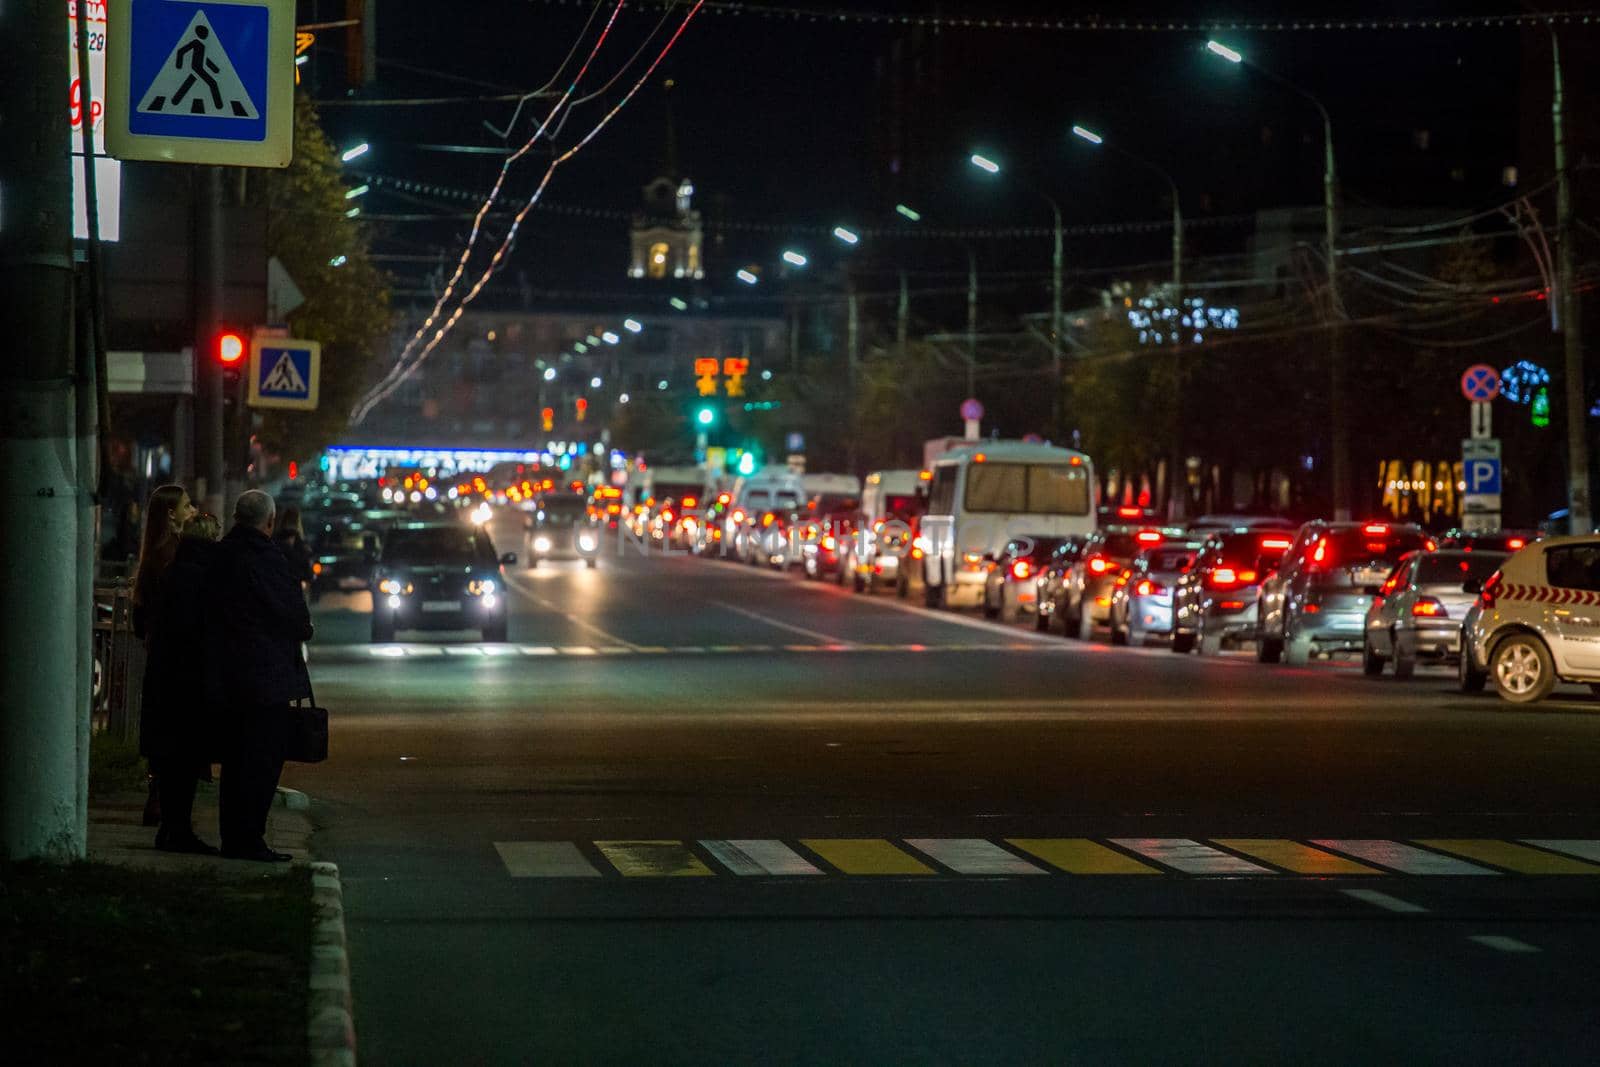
115	835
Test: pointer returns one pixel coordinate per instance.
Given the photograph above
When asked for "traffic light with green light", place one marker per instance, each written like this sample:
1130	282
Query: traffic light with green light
705	416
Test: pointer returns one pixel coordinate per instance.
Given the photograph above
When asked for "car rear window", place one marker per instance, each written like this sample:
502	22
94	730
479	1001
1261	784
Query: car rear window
1027	488
1439	570
1125	545
1356	545
434	545
1173	559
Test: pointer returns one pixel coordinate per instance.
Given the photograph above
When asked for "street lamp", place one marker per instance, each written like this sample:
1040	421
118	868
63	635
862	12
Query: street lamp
355	151
1339	435
984	163
848	236
795	259
1086	134
747	276
632	325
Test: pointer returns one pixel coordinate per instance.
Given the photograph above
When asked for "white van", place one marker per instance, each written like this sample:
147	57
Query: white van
888	503
775	488
983	495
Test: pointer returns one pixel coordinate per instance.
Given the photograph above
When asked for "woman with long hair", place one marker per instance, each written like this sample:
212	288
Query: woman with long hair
165	514
290	537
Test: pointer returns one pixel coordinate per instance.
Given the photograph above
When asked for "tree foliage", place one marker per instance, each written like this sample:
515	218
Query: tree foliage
346	306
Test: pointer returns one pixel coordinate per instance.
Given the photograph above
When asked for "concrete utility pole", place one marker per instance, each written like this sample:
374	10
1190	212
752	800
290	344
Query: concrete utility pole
43	811
1579	518
208	298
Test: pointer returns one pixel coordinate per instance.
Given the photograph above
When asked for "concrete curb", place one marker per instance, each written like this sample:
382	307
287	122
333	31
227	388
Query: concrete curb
292	799
330	1024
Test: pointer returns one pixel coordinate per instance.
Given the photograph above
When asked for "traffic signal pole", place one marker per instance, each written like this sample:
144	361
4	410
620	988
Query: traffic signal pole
1579	516
43	726
210	387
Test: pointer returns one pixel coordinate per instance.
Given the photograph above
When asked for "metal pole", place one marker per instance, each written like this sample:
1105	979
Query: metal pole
1579	518
42	723
1340	431
972	322
209	385
902	319
1055	318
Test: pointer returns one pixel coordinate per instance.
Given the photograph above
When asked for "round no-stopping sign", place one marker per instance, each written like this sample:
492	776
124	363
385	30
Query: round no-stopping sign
971	409
1480	383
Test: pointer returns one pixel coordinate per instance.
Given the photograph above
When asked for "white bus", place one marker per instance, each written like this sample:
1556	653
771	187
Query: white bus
986	493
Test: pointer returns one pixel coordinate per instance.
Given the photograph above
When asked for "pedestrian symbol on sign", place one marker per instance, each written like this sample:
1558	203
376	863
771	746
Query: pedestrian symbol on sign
199	57
284	378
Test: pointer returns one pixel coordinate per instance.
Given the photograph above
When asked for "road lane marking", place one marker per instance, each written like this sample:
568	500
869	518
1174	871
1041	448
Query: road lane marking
764	857
1385	901
578	650
1190	857
1293	856
544	859
1503	943
1403	858
1512	857
583	624
424	650
539	650
1079	855
653	859
1589	850
973	855
803	631
462	650
865	855
381	651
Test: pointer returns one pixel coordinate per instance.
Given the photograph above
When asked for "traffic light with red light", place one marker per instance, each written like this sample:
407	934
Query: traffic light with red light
581	405
547	419
230	348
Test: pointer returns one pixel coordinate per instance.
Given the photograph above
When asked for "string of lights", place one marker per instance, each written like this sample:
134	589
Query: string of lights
1000	22
392	381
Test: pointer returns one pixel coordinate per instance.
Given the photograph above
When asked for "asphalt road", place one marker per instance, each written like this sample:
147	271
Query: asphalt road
694	811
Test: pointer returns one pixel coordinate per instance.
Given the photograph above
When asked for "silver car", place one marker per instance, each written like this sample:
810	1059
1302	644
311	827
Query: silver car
1141	606
1536	622
1317	601
1417	613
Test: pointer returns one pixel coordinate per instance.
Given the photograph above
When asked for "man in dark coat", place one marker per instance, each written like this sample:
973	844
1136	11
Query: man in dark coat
261	619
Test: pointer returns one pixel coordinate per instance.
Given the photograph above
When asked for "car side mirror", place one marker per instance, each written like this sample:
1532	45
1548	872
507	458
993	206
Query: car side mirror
1472	585
509	559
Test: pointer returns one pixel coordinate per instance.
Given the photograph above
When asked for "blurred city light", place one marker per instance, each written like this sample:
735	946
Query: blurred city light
914	216
985	163
632	325
1220	49
746	276
549	374
797	259
849	237
1088	135
357	151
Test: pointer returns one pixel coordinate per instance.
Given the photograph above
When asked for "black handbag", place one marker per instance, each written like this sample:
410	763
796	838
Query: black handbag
308	732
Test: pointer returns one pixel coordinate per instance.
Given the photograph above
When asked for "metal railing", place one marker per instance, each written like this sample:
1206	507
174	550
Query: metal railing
118	662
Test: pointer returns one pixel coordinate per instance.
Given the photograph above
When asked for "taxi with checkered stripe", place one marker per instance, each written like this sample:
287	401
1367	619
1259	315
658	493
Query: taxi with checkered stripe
1536	622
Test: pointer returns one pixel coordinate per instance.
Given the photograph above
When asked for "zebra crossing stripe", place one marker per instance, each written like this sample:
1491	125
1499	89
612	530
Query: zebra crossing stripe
763	857
1293	856
1190	857
1406	859
1589	850
973	855
653	859
544	859
865	855
1079	855
1512	857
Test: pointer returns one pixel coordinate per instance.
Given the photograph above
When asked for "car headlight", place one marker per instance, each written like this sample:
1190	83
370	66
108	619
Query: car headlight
541	543
481	587
586	542
394	587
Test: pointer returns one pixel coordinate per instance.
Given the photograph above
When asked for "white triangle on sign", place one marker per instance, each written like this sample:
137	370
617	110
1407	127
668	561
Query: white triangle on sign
198	79
284	377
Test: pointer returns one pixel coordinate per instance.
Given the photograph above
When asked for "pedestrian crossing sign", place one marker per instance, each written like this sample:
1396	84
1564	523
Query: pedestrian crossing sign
201	81
284	373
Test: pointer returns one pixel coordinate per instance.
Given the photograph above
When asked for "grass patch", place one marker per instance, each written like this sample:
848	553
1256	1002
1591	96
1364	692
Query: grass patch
115	765
109	964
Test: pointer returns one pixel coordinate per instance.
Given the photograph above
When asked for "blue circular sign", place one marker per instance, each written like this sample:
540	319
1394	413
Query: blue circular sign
971	409
1480	383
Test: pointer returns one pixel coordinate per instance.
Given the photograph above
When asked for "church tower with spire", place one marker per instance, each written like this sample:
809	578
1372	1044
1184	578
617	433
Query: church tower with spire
666	233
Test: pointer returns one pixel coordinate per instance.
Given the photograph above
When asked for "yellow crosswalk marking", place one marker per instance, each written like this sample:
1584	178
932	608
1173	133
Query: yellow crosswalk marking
653	859
1079	855
864	855
1519	858
1293	856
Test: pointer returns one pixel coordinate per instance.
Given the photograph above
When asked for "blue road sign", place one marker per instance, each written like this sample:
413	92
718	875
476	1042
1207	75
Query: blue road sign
201	82
1482	476
284	373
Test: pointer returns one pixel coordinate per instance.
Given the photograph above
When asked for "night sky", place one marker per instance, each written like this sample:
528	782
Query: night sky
790	123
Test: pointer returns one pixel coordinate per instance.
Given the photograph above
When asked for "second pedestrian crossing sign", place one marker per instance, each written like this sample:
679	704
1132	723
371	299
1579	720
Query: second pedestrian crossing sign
284	373
201	81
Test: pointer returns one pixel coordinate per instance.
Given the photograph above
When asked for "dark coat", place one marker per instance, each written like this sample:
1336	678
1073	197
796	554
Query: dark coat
297	552
174	723
260	618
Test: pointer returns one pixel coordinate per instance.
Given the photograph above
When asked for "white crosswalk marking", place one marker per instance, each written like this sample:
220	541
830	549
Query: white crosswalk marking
748	857
972	855
1406	859
544	859
1191	857
1584	850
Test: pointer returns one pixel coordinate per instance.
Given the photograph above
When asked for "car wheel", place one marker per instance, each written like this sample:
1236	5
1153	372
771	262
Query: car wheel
495	632
1008	608
382	630
1405	665
1085	625
1522	669
1041	621
1210	644
1297	651
1468	679
1371	662
1182	643
1119	635
989	610
591	563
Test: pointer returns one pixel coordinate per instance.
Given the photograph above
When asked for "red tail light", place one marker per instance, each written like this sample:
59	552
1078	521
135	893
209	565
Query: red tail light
1149	537
1426	607
1130	512
666	516
1021	569
1490	590
1321	558
1228	577
738	515
1282	544
828	542
1148	588
1393	582
1376	528
1514	543
689	501
1099	564
1430	545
